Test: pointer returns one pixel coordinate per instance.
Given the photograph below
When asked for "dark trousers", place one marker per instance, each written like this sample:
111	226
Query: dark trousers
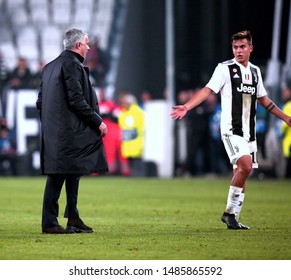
288	168
50	210
136	167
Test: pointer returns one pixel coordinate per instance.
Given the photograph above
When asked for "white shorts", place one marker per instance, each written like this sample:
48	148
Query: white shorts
236	147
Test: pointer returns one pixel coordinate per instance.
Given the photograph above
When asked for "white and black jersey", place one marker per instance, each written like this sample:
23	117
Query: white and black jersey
239	87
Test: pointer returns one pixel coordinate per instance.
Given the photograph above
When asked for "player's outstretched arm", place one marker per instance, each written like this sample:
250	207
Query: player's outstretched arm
179	111
271	107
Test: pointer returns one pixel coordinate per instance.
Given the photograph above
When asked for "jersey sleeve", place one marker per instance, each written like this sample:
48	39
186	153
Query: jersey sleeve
261	91
217	80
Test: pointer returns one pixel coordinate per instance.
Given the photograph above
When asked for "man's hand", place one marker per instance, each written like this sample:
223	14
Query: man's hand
288	121
179	112
103	129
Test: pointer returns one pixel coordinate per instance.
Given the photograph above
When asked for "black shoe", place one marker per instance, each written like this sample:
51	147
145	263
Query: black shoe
241	226
230	220
56	230
78	226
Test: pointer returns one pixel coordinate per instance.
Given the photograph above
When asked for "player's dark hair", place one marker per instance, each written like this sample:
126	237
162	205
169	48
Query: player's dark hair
245	34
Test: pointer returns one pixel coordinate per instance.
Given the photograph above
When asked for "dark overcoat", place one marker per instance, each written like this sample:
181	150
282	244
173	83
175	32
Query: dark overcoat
70	137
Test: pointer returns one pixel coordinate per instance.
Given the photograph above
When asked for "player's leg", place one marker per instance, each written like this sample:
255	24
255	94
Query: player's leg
239	155
253	152
241	173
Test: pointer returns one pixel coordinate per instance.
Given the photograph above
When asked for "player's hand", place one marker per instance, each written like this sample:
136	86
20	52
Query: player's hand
179	112
288	121
103	129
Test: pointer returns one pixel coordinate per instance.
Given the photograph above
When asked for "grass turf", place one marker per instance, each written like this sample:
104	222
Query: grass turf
148	219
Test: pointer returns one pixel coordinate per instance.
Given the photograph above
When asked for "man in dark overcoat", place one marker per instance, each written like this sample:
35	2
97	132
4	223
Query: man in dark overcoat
71	132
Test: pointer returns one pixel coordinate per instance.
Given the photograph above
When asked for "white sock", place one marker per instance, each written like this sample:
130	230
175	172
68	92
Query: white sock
233	199
239	205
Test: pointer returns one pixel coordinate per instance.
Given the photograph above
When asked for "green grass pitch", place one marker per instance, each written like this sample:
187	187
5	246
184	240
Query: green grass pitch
148	219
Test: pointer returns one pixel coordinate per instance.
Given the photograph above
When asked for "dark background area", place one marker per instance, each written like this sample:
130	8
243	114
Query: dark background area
202	39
